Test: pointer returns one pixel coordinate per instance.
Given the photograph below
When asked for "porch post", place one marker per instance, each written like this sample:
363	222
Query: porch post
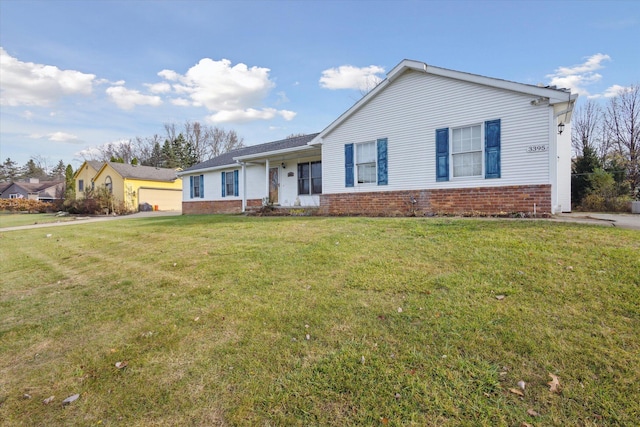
244	187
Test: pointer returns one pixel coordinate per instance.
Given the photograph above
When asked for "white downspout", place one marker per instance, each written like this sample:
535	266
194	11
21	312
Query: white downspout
266	171
553	159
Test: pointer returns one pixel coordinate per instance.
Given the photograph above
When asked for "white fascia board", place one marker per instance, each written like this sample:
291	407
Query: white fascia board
211	169
266	154
555	95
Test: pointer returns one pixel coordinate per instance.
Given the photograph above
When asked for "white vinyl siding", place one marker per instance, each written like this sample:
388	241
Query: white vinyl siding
409	111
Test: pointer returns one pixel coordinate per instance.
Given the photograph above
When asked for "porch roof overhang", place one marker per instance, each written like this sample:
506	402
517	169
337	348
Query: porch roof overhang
284	154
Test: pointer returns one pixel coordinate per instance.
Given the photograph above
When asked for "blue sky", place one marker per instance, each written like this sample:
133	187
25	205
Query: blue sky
78	74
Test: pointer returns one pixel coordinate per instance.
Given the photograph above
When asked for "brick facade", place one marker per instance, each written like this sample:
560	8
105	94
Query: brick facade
483	200
217	206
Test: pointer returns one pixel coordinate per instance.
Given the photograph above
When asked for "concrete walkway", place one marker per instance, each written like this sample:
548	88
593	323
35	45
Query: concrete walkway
90	219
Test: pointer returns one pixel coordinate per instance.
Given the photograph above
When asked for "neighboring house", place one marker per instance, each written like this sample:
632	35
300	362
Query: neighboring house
34	189
140	185
83	177
281	173
425	140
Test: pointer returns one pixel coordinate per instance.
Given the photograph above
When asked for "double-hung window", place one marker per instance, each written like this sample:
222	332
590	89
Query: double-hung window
472	151
81	185
466	151
310	178
366	162
197	186
229	183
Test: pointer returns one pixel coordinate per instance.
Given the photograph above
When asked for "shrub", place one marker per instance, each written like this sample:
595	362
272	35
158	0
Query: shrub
25	205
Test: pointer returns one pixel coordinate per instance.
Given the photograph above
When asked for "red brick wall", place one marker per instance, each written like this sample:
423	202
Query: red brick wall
216	207
483	200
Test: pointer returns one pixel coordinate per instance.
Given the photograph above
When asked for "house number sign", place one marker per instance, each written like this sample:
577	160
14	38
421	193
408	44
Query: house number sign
537	148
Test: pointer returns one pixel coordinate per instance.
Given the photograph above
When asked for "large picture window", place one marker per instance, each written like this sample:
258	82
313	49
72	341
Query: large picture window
310	178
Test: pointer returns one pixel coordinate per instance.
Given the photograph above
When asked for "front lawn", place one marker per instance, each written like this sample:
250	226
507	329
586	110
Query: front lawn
229	320
10	219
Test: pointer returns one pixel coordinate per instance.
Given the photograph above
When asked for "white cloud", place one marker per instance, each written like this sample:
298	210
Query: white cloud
250	114
56	137
581	75
27	83
62	137
97	151
232	92
127	99
350	77
163	87
615	90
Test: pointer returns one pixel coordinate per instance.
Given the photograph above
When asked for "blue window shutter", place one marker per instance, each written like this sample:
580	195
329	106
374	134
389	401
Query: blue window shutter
224	188
202	186
492	148
382	162
235	182
191	185
442	154
348	165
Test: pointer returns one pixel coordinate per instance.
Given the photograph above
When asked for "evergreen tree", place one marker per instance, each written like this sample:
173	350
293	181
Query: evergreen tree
8	170
70	184
32	170
59	171
582	168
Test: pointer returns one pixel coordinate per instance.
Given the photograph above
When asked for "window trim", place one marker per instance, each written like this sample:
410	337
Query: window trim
356	164
481	151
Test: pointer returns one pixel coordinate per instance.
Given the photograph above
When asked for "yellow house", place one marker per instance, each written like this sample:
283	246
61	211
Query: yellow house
84	177
141	185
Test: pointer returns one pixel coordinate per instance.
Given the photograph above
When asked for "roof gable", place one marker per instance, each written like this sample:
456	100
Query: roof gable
554	95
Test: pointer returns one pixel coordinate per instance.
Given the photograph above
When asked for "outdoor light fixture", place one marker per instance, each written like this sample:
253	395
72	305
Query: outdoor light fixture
560	128
284	166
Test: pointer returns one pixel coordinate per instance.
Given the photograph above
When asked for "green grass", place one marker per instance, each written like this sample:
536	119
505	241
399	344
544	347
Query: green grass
211	314
15	220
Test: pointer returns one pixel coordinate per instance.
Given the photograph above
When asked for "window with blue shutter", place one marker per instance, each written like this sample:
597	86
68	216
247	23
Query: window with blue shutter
442	154
382	161
348	165
202	186
492	148
191	186
224	185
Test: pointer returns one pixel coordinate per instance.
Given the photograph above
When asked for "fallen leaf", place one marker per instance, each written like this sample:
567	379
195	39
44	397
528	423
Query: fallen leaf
516	391
196	319
399	309
70	399
48	400
500	297
525	424
554	384
522	384
307	337
121	365
533	413
384	420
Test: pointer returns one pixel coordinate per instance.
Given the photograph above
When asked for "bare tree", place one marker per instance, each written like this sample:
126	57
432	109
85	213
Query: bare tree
586	130
622	120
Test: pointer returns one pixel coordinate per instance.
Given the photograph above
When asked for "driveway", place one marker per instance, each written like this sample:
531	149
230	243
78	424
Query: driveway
622	220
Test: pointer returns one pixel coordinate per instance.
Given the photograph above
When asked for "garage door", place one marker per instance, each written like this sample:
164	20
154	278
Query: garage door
166	200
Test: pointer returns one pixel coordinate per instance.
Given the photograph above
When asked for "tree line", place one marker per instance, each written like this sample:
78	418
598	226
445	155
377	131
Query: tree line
179	147
606	145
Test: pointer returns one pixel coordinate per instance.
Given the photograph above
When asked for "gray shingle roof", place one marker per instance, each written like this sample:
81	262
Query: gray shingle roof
144	172
227	158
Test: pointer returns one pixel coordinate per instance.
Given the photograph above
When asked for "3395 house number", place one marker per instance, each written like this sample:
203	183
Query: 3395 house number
537	148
